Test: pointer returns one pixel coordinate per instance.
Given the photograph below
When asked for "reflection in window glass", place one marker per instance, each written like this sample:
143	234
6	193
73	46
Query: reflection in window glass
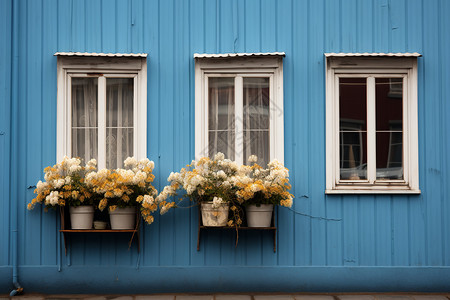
389	128
256	119
353	128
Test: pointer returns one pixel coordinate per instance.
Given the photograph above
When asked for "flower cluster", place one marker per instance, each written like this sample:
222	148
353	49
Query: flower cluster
64	184
130	186
260	185
69	183
225	182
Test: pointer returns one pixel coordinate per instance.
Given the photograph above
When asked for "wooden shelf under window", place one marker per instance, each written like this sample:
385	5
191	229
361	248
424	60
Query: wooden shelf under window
66	230
272	229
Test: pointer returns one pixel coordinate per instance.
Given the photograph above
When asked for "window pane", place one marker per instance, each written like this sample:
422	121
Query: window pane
389	118
256	119
353	128
119	121
85	143
221	123
84	118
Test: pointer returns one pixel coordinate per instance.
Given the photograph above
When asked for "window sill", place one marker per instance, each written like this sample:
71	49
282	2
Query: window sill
355	190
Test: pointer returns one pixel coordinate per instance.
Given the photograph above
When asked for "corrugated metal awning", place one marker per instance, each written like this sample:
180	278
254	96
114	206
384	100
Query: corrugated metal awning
225	55
415	54
100	54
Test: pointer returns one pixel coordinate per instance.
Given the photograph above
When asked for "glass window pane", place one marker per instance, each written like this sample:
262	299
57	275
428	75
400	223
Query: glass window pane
221	122
119	120
353	128
85	143
84	117
389	133
256	118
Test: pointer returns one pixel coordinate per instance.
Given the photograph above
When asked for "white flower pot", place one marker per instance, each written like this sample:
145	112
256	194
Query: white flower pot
81	217
214	216
123	218
259	216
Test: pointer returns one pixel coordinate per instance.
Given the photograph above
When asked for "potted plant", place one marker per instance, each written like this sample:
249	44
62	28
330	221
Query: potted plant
206	182
64	186
259	189
123	191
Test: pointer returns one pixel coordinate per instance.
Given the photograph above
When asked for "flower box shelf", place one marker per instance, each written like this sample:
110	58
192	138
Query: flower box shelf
66	230
272	229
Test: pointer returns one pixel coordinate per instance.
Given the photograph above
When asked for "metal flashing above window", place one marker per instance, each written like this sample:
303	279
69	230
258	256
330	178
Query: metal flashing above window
100	54
365	54
226	55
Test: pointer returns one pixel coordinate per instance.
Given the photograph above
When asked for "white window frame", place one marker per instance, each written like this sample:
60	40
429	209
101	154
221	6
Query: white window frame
240	66
371	68
101	67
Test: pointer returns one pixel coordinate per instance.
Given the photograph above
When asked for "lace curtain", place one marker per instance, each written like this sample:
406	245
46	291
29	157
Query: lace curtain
119	119
255	118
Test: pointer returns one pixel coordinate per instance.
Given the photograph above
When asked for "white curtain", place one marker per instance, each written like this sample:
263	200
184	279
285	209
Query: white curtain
256	119
221	123
119	121
84	118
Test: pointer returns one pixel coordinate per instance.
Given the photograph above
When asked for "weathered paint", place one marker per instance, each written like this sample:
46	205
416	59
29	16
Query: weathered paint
334	243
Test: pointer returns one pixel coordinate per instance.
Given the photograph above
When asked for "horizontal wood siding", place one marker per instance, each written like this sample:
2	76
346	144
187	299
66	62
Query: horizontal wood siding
320	230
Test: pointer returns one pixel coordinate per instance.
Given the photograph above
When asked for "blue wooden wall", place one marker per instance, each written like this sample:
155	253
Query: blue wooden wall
334	243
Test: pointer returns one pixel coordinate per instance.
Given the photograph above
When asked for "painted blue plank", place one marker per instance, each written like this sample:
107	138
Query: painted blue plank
350	230
397	22
137	21
414	23
332	26
64	25
366	231
299	151
381	25
182	117
5	127
108	24
167	142
268	25
226	23
78	26
364	25
93	27
49	221
400	236
150	245
383	235
33	126
211	27
334	230
123	26
433	132
252	26
349	23
316	137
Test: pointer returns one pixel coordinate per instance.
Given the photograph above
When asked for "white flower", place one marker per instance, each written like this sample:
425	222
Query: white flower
130	162
221	174
52	198
252	159
149	199
68	180
219	156
74	169
139	177
217	202
163	210
58	183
